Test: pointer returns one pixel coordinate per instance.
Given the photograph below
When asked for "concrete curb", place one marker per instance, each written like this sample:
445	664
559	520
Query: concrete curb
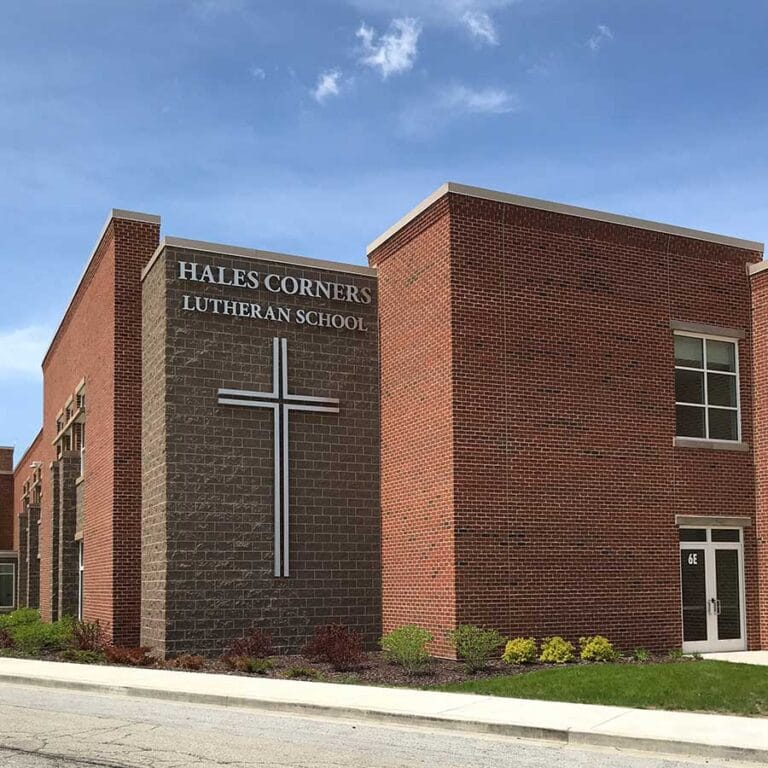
561	736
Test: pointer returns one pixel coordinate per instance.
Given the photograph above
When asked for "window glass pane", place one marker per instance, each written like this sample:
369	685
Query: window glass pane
689	386
6	589
694	594
722	424
728	594
690	421
693	534
721	389
688	351
725	534
721	355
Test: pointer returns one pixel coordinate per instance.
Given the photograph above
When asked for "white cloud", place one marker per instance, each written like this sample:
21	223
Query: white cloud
258	73
327	85
393	52
489	101
22	350
453	103
474	16
481	27
602	33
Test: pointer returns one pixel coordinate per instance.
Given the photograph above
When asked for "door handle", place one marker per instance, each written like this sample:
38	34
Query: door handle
712	606
718	607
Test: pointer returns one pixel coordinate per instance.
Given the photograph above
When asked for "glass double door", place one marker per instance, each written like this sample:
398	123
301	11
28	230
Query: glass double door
712	580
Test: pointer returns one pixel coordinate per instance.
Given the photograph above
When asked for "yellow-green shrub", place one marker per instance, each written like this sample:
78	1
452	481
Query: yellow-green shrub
597	648
520	650
556	650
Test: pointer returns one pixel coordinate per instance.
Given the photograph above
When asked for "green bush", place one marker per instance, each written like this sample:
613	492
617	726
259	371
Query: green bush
249	664
82	657
556	650
597	648
641	654
406	646
20	616
33	637
675	654
520	650
474	646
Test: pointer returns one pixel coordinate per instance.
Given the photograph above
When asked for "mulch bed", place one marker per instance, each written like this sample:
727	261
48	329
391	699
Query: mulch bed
374	671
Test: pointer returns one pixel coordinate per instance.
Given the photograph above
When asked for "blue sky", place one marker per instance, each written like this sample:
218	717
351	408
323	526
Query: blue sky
311	126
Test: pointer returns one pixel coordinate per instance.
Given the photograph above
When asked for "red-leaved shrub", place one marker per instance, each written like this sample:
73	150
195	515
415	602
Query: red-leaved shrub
338	645
256	645
6	641
133	657
88	636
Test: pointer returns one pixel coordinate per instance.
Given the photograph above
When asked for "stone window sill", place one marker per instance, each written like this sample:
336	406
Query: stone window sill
712	445
79	480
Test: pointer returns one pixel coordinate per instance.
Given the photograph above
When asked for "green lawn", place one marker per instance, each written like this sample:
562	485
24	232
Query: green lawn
703	686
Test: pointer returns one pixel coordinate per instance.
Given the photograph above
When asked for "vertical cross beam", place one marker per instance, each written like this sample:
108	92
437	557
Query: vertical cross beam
281	401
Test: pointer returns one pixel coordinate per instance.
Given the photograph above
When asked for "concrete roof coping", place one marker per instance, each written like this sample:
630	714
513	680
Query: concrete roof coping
253	253
570	210
754	269
115	213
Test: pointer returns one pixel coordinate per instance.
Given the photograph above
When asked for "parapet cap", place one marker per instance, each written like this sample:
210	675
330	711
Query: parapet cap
451	187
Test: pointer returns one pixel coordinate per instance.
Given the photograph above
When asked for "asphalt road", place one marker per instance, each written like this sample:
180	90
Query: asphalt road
44	728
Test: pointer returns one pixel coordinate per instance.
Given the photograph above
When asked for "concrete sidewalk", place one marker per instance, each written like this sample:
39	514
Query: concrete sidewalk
658	731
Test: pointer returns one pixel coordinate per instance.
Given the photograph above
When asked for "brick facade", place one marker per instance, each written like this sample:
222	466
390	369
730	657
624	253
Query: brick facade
99	344
208	474
504	453
553	358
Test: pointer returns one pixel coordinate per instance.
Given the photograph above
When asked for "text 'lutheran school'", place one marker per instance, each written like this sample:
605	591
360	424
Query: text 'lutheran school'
522	415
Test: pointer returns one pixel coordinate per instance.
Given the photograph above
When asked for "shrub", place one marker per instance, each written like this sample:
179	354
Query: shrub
675	654
641	654
597	648
249	664
257	645
132	657
20	616
520	650
82	656
474	646
556	650
338	645
32	637
187	661
88	636
6	641
406	646
304	673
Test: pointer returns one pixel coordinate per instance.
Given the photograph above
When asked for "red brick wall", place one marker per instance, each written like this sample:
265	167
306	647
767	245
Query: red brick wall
760	384
99	340
21	473
135	242
6	499
416	424
565	479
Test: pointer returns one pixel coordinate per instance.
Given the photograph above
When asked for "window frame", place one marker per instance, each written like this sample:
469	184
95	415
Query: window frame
706	371
13	584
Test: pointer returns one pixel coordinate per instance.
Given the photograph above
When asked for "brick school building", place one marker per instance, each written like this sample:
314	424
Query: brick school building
522	415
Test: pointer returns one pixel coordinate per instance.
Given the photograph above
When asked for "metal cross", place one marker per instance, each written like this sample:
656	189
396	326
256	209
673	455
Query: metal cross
282	403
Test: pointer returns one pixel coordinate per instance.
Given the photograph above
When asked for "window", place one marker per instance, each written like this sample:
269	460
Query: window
82	450
80	580
707	387
7	585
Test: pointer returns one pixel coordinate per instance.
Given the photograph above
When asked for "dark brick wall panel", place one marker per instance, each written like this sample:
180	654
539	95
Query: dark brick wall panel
219	471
